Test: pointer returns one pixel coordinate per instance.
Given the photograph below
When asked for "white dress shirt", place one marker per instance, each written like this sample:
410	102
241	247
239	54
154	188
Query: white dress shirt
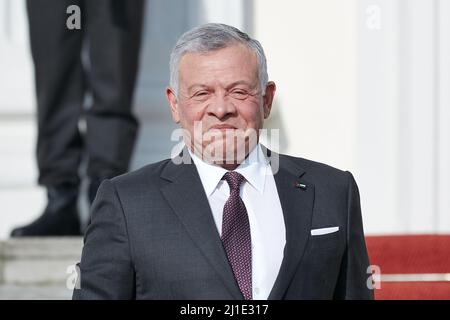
260	196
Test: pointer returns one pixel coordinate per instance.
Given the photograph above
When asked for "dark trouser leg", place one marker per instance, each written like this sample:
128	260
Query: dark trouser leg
59	88
114	36
56	54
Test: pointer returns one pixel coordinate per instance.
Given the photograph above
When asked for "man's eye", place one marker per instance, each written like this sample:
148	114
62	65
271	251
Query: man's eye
239	94
201	95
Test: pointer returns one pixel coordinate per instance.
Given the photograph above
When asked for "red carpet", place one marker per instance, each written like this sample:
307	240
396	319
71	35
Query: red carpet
407	255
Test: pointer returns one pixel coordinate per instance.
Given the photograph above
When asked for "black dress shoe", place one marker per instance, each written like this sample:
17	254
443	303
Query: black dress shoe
60	217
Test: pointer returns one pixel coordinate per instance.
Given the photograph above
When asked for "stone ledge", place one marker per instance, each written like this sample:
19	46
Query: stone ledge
51	292
38	261
41	248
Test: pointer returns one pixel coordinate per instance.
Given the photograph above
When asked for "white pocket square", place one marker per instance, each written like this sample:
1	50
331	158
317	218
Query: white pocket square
322	231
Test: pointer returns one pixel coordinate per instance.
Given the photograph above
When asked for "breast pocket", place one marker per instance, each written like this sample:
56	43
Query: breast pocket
326	241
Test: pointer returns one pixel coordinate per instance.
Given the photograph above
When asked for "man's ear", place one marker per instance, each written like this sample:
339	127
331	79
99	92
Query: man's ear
173	102
268	98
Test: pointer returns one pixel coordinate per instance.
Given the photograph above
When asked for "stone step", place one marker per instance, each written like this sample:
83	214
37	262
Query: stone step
35	292
39	268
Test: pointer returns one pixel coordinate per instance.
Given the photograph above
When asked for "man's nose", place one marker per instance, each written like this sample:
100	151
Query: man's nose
221	107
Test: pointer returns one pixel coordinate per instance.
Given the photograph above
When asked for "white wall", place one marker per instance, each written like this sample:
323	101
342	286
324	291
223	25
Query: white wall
20	199
311	52
364	86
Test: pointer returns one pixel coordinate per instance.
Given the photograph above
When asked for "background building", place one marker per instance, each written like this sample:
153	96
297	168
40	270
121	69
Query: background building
362	85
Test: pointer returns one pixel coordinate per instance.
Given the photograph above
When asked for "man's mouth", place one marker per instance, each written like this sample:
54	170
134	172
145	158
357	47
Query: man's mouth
222	127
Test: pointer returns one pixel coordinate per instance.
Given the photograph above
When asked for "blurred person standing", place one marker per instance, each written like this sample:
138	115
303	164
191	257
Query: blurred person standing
110	35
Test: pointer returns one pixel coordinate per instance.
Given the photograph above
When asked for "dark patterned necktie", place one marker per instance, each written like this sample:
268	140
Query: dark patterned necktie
236	236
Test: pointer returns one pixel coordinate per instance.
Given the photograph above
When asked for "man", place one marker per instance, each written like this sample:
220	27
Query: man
109	35
218	223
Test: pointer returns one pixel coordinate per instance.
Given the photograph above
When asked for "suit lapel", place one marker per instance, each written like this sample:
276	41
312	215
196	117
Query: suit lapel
297	205
186	196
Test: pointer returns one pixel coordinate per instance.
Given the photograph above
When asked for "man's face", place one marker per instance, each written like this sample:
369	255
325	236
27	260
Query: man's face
220	102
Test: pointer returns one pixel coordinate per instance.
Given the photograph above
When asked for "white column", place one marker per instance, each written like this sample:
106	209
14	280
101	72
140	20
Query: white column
16	76
21	200
418	107
443	114
377	115
404	136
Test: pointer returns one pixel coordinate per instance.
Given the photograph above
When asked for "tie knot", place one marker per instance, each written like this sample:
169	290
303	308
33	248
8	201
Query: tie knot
234	179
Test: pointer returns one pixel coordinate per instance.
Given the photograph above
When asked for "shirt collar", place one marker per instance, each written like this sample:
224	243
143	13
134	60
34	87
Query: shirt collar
253	169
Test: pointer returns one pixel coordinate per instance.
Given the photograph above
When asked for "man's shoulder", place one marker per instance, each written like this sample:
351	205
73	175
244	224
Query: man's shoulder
143	175
315	171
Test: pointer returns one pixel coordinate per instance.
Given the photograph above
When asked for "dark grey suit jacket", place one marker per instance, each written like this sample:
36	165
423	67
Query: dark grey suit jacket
152	236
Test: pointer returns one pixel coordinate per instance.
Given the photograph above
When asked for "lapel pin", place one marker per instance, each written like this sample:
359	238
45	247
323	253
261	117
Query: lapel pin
300	185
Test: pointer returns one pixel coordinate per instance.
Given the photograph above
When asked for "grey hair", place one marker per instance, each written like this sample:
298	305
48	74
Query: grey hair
210	37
